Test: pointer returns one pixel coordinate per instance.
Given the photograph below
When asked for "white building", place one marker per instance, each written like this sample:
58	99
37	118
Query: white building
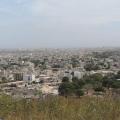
78	74
29	77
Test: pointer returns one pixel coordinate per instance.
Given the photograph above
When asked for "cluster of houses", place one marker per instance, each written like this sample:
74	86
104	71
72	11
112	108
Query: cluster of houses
25	71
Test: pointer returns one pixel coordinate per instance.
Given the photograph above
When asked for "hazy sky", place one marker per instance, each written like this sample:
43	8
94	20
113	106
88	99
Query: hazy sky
59	23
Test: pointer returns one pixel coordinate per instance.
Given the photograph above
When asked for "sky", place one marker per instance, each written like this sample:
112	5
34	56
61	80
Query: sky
59	23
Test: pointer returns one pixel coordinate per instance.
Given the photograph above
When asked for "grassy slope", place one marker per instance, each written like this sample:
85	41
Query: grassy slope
60	109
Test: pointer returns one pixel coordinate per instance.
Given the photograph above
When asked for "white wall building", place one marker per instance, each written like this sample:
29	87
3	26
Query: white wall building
28	77
78	74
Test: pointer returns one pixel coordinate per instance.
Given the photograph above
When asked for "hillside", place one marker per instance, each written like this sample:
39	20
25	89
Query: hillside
60	108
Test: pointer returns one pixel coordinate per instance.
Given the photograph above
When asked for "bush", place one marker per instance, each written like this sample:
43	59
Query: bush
60	108
65	79
79	92
66	89
99	89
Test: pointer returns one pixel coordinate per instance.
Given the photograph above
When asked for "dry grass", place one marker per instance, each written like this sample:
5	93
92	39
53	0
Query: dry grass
59	108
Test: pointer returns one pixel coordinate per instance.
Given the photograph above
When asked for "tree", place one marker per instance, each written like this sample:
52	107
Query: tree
91	66
116	84
111	82
99	89
93	79
88	67
4	79
79	92
65	79
71	88
97	77
66	89
36	62
33	82
74	62
118	75
75	79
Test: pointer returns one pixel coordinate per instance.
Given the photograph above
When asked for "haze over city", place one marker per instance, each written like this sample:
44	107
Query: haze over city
64	23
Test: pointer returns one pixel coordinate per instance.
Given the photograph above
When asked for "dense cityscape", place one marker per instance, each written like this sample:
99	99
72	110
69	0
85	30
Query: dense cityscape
67	72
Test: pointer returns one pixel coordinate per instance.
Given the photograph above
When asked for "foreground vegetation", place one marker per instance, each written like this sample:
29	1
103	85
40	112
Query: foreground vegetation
60	108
